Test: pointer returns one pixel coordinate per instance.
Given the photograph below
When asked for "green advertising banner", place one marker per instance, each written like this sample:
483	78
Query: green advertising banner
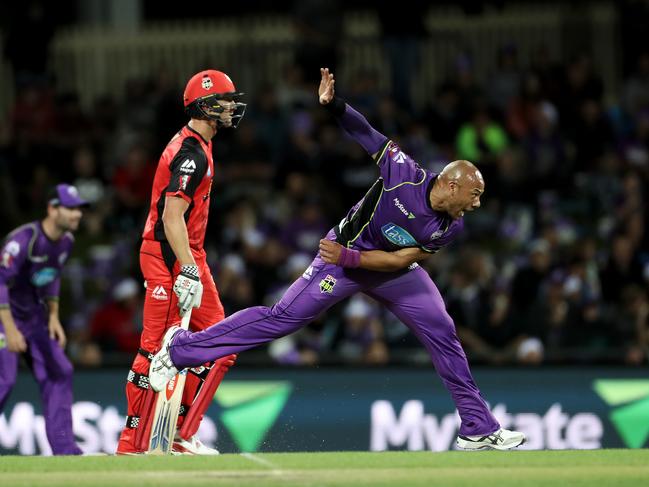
321	409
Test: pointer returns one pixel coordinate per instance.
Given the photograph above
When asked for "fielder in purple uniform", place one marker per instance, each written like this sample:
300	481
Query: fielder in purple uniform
407	215
30	267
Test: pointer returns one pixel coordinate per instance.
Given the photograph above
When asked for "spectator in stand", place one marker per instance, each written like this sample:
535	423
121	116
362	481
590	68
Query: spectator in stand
235	287
361	340
632	326
302	233
482	140
505	82
116	326
635	93
621	269
131	183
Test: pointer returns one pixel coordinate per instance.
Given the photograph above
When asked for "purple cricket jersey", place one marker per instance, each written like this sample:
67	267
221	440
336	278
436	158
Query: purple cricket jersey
395	212
30	270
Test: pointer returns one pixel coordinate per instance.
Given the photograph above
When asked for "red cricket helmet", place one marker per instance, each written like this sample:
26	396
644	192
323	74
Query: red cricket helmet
204	91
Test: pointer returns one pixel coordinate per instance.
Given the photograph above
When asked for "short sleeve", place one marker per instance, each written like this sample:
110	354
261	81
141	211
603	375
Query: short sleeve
187	168
397	167
12	257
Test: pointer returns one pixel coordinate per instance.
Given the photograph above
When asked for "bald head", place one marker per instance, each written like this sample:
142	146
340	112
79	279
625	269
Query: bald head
462	172
458	189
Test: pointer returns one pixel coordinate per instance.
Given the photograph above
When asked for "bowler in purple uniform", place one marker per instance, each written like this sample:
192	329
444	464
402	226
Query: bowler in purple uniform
31	260
407	215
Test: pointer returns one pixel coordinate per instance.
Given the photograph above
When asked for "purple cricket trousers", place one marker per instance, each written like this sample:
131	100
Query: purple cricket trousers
53	373
410	294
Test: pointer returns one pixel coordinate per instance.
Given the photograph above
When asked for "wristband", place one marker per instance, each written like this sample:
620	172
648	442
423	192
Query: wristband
337	106
190	270
349	258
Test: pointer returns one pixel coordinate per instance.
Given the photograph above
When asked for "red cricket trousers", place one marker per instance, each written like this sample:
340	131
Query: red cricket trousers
160	269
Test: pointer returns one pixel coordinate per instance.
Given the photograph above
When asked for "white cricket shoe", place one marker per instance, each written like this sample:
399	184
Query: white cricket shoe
498	440
162	369
193	446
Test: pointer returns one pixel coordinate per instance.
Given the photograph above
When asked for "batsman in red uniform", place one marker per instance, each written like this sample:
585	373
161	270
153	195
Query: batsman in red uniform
174	265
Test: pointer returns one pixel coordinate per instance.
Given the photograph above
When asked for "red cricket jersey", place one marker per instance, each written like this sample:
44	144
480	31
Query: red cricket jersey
185	170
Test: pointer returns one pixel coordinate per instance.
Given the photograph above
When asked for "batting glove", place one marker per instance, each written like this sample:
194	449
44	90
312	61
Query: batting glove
188	288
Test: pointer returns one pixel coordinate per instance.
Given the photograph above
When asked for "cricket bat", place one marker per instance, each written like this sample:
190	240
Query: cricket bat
165	417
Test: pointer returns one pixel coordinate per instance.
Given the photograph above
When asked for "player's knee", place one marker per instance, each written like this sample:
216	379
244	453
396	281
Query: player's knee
59	373
66	371
445	325
290	317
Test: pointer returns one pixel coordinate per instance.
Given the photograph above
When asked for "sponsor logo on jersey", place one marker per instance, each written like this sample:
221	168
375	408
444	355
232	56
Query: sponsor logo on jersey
3	341
159	293
398	236
308	273
44	276
188	167
63	257
436	234
327	284
403	209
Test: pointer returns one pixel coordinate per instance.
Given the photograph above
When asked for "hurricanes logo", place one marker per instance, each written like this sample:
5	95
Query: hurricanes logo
327	284
250	408
207	82
631	419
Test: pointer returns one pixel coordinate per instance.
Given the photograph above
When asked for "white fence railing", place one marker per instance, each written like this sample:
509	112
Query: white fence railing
96	61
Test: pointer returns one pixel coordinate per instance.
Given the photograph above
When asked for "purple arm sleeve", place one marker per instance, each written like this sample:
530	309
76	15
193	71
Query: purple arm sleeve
357	126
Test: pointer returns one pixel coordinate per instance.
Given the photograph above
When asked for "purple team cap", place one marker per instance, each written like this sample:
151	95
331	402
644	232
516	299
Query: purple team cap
66	195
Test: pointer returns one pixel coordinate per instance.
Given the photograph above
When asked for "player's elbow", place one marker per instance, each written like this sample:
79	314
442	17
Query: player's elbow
167	218
171	224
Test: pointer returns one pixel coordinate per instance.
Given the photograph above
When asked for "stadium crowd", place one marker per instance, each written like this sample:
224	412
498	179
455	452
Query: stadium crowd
554	268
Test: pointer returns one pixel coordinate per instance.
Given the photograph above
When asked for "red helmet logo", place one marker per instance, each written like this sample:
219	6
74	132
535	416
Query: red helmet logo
207	82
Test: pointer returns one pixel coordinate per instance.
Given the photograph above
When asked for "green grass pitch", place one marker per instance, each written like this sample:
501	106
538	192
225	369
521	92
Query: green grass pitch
391	469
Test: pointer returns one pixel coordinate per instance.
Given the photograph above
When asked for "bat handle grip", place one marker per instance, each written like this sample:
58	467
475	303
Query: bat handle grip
184	323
